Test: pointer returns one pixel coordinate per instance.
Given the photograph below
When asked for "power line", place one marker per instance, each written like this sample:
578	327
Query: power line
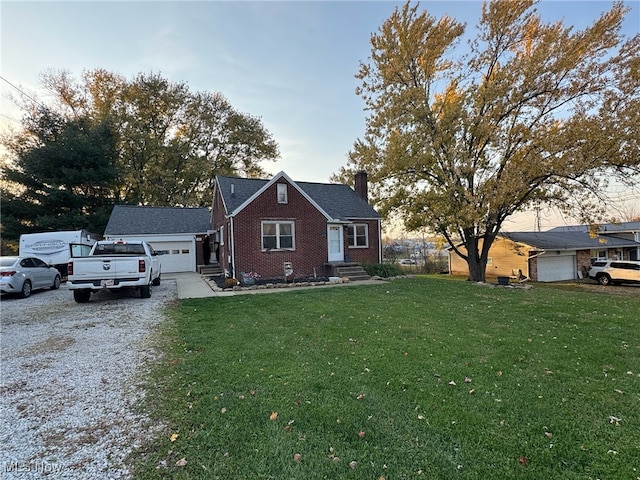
22	92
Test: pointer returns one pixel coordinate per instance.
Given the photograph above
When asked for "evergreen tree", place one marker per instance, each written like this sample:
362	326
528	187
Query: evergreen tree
63	177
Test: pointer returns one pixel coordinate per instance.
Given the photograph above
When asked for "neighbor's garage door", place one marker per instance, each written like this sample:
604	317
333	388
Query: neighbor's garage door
176	256
554	269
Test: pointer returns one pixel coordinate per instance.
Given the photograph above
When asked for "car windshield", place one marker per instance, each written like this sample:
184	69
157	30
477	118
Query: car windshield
7	261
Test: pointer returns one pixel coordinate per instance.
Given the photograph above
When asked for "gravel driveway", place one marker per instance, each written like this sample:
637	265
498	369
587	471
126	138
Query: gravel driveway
70	382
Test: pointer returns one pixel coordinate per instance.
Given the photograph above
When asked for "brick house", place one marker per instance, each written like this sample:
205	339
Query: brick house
562	253
278	227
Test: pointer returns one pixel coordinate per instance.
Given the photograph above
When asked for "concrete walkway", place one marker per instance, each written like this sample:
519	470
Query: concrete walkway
190	285
193	285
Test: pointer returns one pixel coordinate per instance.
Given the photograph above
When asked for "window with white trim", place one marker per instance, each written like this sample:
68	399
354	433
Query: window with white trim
282	193
278	235
358	235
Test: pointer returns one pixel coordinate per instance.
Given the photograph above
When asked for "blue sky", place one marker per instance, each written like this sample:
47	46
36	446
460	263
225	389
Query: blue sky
290	63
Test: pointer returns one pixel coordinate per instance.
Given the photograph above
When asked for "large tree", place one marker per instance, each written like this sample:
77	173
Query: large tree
171	142
63	176
458	140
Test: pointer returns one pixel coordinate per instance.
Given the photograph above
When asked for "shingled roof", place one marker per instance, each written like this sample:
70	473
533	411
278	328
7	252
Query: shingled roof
144	220
603	229
567	240
338	201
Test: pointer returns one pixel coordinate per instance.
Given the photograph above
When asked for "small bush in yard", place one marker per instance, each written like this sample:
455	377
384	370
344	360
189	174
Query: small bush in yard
230	282
384	270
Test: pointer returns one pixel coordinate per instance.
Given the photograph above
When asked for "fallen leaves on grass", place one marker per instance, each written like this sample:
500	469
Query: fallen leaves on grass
361	434
615	420
523	460
332	455
297	457
289	426
182	462
174	437
274	416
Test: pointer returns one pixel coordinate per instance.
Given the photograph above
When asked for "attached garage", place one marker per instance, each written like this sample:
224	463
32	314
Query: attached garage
177	256
178	234
555	268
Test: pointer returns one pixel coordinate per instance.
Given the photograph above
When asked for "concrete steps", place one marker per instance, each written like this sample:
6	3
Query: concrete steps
353	271
211	270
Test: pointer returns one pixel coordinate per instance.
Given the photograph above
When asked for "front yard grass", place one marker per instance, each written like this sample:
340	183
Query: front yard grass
426	377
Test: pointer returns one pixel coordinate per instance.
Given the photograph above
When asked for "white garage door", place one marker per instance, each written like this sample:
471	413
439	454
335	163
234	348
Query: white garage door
176	256
554	269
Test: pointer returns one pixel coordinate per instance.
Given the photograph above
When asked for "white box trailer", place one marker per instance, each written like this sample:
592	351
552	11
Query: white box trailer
55	248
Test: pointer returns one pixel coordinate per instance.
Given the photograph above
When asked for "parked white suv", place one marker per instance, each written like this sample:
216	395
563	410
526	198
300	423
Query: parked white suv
606	272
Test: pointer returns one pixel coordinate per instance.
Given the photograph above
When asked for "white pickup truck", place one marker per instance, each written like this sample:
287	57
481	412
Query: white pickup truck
114	265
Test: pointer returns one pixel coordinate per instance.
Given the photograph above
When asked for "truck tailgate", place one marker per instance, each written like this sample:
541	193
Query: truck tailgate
93	268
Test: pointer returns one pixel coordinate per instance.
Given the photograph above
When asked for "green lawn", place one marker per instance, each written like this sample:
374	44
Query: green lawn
427	377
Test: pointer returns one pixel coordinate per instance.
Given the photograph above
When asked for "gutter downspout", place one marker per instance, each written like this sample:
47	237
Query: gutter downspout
194	249
379	241
233	249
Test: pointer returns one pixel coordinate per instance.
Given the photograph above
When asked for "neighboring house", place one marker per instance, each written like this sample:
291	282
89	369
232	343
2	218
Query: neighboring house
268	226
563	253
624	230
179	234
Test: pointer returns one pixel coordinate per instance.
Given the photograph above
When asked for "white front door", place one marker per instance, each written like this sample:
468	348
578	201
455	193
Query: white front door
335	243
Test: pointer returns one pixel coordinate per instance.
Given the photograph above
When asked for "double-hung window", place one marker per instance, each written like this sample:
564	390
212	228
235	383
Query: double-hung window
358	235
282	193
278	235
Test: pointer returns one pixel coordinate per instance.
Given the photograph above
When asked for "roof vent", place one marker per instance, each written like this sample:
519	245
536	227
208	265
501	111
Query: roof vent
233	189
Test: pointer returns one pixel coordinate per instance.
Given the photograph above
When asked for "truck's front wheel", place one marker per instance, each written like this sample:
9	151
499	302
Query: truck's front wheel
145	291
81	296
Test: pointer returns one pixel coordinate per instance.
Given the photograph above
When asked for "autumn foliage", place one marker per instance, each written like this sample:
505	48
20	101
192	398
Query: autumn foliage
462	135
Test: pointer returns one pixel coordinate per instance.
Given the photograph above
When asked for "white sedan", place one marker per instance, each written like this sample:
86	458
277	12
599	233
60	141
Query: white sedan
22	275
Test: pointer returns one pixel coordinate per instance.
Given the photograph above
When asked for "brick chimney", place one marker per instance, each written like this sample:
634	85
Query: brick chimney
361	185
